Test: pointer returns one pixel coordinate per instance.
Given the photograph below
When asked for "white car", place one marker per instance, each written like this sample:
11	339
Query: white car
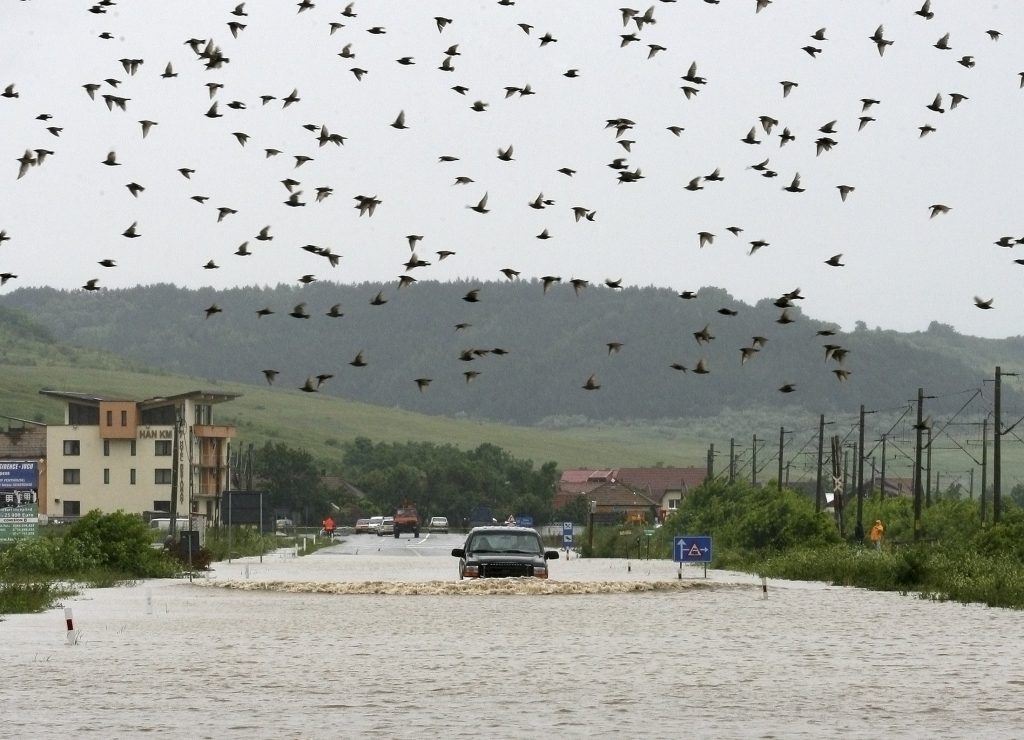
374	526
387	526
438	524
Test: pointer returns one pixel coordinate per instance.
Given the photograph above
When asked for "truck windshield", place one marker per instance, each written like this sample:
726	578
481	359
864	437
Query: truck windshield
526	544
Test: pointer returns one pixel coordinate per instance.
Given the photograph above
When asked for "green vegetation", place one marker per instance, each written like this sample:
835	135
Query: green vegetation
443	480
778	534
241	541
99	550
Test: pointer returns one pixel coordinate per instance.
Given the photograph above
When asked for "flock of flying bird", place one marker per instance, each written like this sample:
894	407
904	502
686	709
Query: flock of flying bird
344	25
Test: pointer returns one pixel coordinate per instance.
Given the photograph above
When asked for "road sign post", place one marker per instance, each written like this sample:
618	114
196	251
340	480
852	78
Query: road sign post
567	536
691	549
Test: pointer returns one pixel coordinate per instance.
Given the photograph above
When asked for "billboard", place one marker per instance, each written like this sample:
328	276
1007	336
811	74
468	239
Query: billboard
19	499
19	475
17	522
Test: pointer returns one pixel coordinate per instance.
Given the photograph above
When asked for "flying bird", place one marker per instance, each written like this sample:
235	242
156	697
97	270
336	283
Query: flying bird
591	384
480	207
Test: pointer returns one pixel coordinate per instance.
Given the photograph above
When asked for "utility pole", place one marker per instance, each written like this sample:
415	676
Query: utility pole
821	449
984	470
711	462
753	464
928	479
972	483
997	434
732	459
918	489
859	531
782	442
881	488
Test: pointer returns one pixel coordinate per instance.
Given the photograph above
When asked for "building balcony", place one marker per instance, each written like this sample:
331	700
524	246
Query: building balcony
213	431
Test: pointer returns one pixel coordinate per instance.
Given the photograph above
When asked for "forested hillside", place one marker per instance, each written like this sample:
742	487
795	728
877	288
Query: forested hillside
554	341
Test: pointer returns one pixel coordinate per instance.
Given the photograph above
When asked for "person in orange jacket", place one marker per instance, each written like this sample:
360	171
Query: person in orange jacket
329	526
877	532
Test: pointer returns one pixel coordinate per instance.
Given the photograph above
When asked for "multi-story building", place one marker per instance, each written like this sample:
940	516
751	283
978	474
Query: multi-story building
115	454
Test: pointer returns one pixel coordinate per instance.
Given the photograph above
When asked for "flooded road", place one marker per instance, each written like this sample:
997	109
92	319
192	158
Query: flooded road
353	641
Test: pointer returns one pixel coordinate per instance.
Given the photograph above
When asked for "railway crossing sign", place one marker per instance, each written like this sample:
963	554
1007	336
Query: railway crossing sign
691	549
567	535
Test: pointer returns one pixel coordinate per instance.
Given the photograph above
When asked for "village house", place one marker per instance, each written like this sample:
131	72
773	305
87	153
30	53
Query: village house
654	492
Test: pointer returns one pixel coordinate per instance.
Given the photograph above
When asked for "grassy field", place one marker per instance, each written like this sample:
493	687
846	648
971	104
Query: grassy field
321	424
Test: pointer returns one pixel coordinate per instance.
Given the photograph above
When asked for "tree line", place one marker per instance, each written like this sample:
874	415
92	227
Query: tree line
549	344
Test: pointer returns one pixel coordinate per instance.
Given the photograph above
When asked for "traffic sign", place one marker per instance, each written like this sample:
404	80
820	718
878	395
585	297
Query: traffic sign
691	549
567	535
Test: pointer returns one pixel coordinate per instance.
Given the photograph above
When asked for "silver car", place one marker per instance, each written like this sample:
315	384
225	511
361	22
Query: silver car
387	526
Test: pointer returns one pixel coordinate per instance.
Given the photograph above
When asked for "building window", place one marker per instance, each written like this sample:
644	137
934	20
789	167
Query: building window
163	448
110	418
163	476
106	448
203	413
72	447
106	476
132	448
124	417
131	476
72	476
164	507
673	503
72	508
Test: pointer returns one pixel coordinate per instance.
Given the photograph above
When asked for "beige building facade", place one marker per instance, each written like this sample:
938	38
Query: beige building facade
119	454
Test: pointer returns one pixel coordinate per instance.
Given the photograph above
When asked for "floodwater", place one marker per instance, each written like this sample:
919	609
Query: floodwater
339	644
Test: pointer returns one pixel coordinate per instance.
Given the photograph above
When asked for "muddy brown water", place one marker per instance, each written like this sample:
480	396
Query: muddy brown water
344	645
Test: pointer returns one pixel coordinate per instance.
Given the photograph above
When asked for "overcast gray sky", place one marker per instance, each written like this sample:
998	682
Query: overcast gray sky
902	269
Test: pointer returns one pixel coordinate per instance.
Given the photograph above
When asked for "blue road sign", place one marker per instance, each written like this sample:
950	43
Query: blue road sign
567	535
691	549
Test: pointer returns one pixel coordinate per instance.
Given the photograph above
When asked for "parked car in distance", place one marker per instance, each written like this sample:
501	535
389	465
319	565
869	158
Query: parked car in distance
374	525
283	523
387	526
362	526
503	552
438	524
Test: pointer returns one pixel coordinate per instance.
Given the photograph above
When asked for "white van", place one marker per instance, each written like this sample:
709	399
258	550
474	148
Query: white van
165	524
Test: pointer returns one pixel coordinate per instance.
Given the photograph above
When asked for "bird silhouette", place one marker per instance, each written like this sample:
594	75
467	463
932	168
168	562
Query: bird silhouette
480	207
270	375
591	384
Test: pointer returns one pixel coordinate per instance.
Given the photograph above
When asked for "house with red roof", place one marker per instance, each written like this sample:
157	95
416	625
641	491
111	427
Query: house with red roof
663	487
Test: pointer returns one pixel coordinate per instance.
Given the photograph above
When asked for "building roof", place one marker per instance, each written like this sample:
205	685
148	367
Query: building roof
197	395
656	481
585	475
620	495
